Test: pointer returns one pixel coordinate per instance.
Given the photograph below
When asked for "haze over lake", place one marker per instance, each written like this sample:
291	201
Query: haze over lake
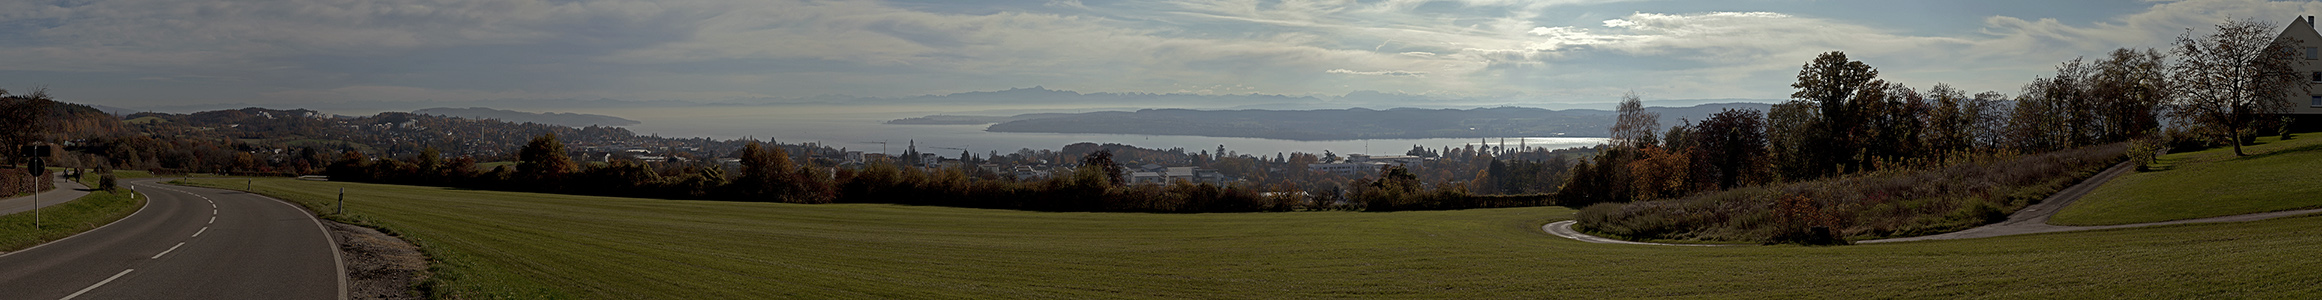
862	128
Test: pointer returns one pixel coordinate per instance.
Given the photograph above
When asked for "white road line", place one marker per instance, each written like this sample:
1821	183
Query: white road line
99	283
213	205
213	211
198	233
213	219
166	252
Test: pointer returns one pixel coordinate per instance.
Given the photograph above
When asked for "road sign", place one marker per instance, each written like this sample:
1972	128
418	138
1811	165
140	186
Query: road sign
38	155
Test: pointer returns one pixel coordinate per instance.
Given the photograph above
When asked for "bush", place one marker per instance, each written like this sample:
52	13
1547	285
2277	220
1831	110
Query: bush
1887	203
108	183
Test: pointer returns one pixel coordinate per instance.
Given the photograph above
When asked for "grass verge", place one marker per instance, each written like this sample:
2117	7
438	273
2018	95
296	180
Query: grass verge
64	220
523	245
2277	175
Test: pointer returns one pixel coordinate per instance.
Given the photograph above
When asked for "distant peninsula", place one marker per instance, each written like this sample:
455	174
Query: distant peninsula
1330	124
563	119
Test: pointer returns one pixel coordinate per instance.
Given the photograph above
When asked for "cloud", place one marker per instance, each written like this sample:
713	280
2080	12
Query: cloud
714	50
1382	73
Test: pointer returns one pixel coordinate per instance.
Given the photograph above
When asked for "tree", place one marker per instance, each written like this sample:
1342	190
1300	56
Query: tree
765	173
2232	77
429	161
543	161
2129	88
1792	129
1948	123
1730	149
1833	84
1101	161
1634	128
23	115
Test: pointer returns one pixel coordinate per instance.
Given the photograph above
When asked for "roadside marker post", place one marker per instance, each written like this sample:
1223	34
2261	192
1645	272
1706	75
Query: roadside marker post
342	201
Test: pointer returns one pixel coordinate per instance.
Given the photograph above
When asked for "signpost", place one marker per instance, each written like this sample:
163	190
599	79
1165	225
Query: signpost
35	154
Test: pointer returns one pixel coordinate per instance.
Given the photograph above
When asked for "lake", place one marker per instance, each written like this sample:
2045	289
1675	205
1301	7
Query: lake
862	128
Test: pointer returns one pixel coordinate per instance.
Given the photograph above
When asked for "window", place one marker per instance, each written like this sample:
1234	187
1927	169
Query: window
2317	102
2317	76
2312	53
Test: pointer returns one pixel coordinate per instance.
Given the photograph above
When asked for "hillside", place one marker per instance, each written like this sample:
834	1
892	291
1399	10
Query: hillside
1331	124
551	118
2277	175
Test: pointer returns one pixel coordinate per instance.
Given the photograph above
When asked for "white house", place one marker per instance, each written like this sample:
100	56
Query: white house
2306	101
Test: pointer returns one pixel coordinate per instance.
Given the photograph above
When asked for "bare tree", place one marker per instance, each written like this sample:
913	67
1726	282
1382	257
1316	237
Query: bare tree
1634	128
2232	77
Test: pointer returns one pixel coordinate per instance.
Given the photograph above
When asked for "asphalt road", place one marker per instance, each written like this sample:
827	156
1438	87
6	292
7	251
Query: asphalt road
187	243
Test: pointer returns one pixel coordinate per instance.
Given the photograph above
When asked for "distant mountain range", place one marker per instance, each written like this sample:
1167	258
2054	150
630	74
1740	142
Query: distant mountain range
1331	124
564	119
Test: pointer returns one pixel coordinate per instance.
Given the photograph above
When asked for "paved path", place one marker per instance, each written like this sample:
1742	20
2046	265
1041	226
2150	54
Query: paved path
1564	229
2030	220
186	243
63	192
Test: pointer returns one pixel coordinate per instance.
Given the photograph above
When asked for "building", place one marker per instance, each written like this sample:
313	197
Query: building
1029	173
1399	160
1368	167
2306	101
1167	175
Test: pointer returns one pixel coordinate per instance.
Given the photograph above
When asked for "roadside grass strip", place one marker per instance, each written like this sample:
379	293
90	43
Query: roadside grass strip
67	219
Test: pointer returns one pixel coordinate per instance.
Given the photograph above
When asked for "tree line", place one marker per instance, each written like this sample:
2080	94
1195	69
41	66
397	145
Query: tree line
1845	126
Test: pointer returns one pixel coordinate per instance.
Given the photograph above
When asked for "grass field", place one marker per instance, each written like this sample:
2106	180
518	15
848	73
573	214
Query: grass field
520	245
2277	175
64	220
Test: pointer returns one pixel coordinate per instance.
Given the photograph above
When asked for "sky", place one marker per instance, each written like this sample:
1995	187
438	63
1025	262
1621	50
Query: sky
428	53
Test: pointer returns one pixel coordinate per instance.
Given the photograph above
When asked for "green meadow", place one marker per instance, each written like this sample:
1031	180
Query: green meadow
491	244
2277	175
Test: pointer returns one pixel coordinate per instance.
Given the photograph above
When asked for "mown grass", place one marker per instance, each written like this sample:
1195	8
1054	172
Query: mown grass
64	220
523	245
2277	175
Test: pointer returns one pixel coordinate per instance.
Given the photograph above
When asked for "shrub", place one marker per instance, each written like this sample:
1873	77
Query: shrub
107	183
1885	203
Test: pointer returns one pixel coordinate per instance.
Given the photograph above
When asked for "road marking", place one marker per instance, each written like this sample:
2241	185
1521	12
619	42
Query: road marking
166	252
213	211
198	233
99	283
213	205
213	219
